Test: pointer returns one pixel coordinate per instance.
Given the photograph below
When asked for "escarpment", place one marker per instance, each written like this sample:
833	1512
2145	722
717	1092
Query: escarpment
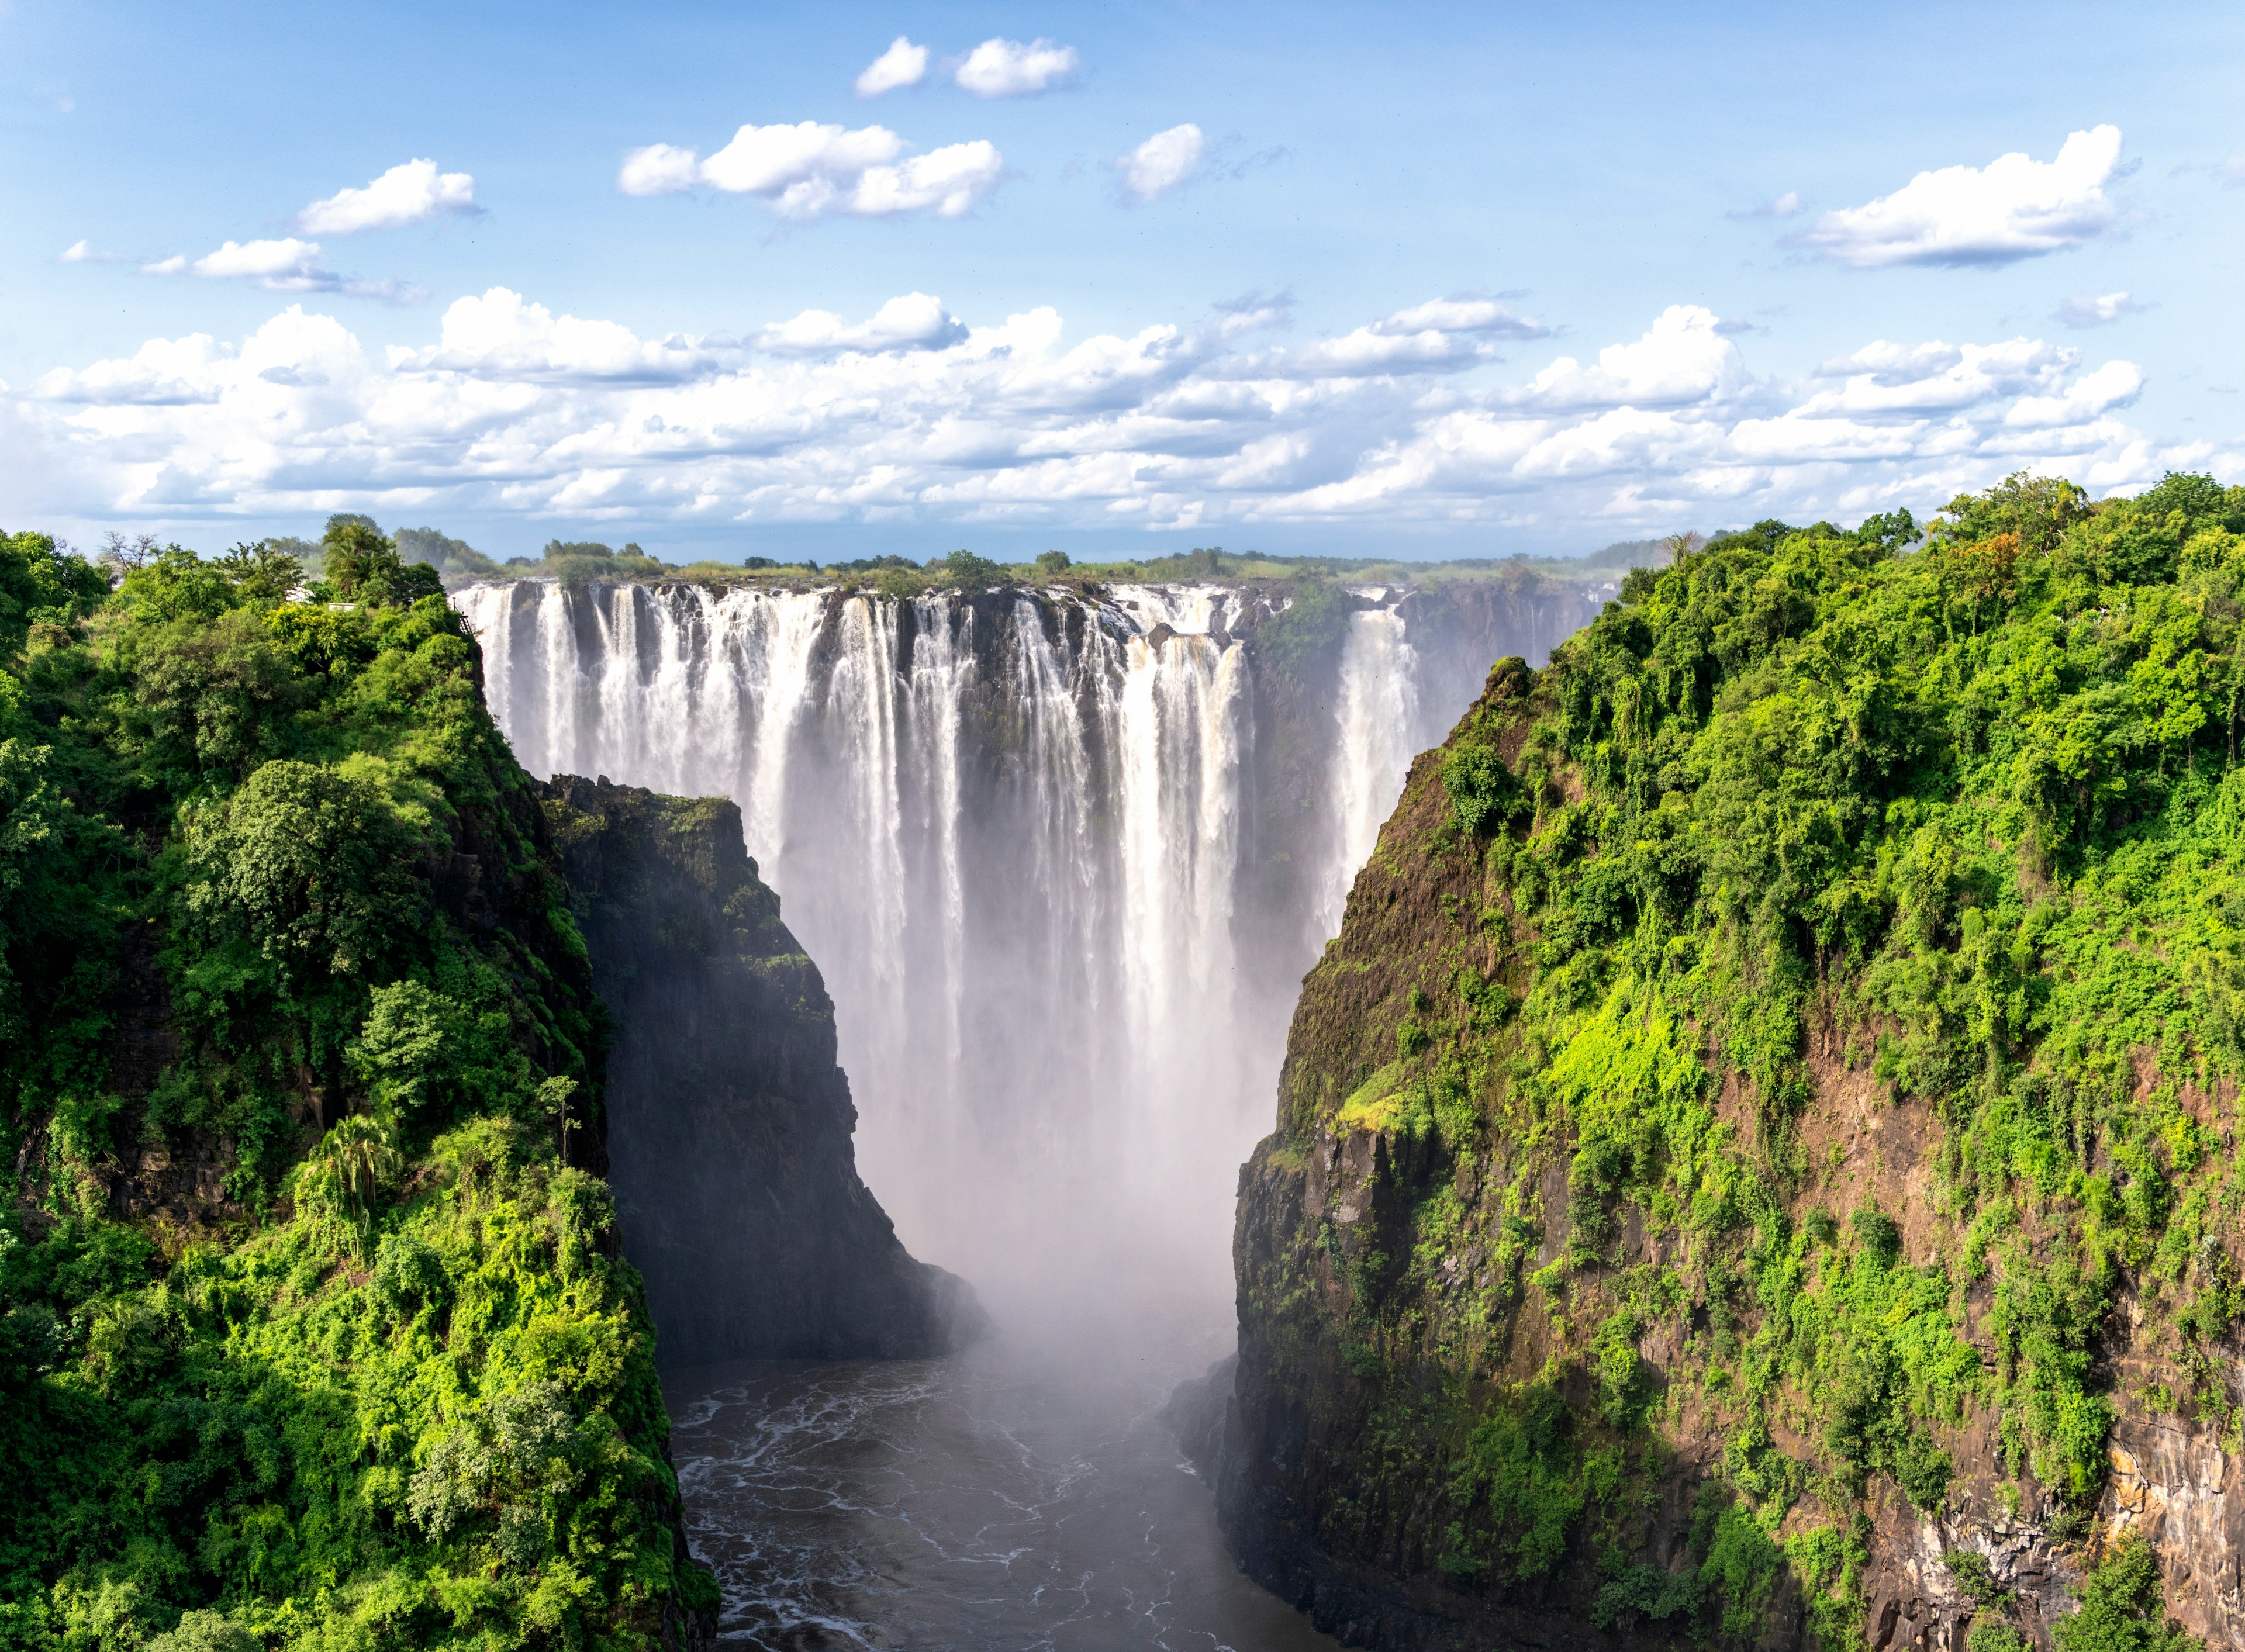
1757	1166
729	1119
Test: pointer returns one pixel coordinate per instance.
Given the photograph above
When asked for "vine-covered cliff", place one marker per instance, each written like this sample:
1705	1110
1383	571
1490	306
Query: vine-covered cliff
313	1331
1757	1165
729	1119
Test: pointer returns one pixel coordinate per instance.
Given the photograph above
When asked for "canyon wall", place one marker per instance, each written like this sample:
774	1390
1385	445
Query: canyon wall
727	1118
1757	1166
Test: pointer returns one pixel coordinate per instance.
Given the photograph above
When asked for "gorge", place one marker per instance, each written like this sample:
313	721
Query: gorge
1754	1165
1061	856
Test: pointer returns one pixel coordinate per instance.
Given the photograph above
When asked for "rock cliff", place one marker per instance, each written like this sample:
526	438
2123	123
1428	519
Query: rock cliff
729	1120
1756	1166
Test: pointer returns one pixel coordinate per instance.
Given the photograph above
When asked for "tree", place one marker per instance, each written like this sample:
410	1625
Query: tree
263	572
963	570
1051	564
120	555
364	566
357	554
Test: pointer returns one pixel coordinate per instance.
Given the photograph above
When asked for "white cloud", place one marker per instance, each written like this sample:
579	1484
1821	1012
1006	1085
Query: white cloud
1441	335
501	335
902	64
1166	161
813	170
2015	207
283	266
407	193
286	264
2114	385
909	416
2098	309
82	252
1463	315
658	169
916	320
1686	356
1002	68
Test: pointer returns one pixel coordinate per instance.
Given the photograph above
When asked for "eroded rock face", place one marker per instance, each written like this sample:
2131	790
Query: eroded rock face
2172	1481
729	1120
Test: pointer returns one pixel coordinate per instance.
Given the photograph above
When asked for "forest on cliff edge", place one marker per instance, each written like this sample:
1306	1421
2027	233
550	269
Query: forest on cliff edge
1951	828
313	1328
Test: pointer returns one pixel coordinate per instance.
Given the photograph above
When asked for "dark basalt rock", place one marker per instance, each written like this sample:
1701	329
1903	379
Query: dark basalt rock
729	1120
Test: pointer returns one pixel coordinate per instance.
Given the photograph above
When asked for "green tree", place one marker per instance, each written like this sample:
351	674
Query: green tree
965	572
2123	1608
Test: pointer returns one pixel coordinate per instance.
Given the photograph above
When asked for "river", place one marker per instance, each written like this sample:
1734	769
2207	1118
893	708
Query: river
1026	1493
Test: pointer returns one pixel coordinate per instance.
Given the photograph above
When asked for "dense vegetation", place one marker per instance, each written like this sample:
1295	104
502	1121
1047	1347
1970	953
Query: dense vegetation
1853	923
313	1331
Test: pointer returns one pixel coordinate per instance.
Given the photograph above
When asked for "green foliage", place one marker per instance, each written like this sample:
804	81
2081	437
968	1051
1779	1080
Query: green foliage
360	566
394	1389
1519	1482
1051	564
2122	1608
1993	1634
965	572
1307	635
1953	823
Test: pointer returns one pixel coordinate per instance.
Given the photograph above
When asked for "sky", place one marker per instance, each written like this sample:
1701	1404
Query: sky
858	280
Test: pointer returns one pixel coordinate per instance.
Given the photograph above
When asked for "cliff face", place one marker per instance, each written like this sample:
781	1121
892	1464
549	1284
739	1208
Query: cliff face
1757	1165
729	1120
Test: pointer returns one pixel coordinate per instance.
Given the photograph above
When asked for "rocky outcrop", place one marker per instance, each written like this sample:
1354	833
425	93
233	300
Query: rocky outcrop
729	1120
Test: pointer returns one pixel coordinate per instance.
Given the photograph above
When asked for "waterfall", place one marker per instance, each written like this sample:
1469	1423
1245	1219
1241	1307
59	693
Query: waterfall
1378	734
1036	842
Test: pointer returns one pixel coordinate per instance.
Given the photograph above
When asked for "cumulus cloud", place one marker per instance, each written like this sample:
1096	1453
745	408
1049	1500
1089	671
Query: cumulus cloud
503	336
2014	208
1686	355
902	64
409	192
1441	335
1165	162
1002	68
82	252
911	414
916	320
814	169
2098	309
285	265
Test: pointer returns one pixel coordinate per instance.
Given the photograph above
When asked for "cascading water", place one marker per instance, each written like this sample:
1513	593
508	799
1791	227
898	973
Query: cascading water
1379	732
1062	860
1025	836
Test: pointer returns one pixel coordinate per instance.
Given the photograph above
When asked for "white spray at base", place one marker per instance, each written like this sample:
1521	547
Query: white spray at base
1020	839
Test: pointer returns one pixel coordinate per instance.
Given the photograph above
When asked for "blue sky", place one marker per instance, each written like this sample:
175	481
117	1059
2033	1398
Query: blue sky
1362	298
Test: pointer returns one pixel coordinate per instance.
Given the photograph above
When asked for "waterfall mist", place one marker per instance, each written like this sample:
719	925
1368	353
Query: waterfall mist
1062	860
